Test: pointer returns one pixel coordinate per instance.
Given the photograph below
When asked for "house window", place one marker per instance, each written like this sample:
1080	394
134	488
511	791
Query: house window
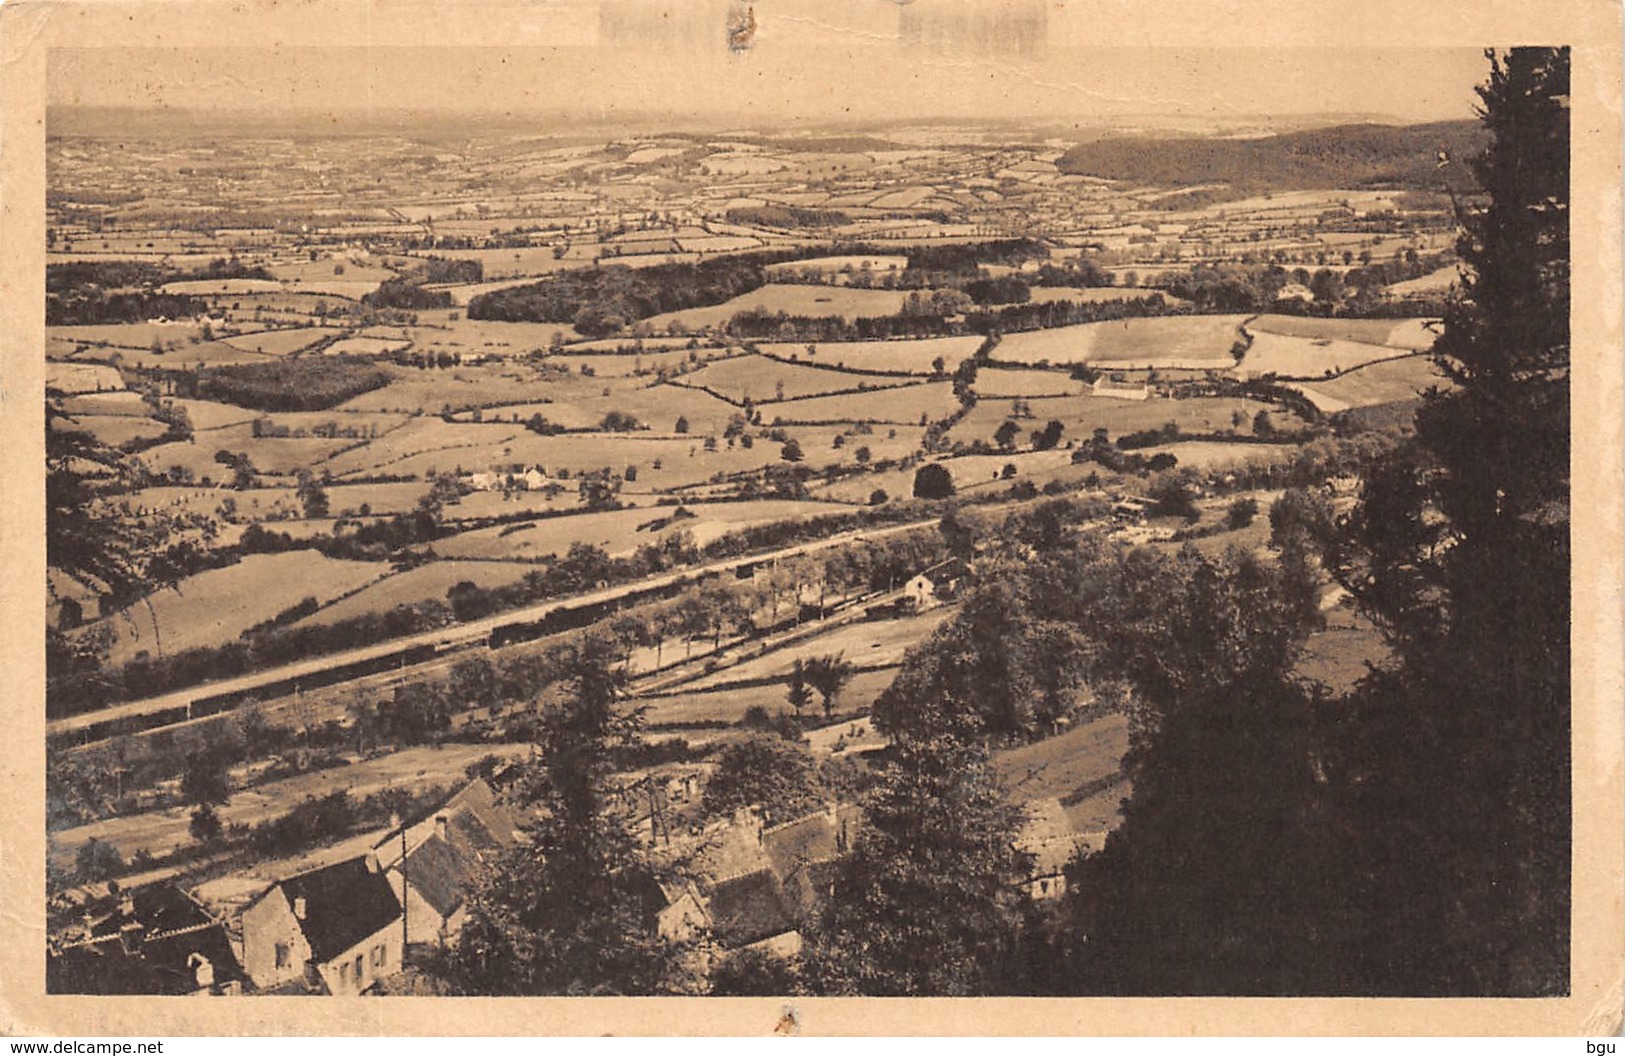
282	953
377	956
360	963
344	976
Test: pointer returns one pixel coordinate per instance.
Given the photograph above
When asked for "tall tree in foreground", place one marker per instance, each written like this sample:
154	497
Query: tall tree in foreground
567	911
925	905
1456	770
1214	881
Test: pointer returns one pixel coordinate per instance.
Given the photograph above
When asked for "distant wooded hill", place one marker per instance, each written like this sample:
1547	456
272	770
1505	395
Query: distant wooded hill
1345	156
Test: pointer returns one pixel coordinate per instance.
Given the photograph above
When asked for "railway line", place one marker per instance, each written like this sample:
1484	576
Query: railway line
414	651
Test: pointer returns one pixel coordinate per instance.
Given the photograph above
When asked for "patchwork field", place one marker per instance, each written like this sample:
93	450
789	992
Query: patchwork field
114	430
969	473
284	455
181	355
121	402
902	405
214	607
864	644
762	380
205	287
1411	334
1386	382
513	263
1433	282
207	415
839	264
977	471
72	378
718	244
993	383
441	333
683	460
1308	357
377	498
364	346
658	406
1081	415
618	531
618	365
362	423
405	438
818	441
911	357
1097	294
428	582
420	391
1213	454
730	705
286	302
858	490
1195	341
496	504
278	342
257	504
1058	766
625	344
843	301
326	270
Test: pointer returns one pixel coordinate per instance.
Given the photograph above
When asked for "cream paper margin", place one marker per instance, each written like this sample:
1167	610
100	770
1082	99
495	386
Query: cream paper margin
30	28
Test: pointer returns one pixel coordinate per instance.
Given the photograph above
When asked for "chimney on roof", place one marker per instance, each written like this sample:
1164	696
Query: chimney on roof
299	907
202	971
441	824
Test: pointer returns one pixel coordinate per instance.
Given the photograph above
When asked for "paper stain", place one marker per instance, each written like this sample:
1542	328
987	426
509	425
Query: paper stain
741	29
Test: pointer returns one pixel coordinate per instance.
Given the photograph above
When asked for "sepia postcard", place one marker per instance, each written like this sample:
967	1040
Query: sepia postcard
681	516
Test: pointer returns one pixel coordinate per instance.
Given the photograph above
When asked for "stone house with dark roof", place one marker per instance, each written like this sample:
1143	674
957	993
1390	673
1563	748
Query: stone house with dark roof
932	586
333	930
443	858
155	940
756	885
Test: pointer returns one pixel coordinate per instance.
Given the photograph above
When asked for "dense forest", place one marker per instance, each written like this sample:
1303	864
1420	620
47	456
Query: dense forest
600	301
1344	156
407	290
93	293
307	384
784	216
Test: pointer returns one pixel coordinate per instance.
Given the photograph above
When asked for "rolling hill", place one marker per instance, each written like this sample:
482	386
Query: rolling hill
1344	156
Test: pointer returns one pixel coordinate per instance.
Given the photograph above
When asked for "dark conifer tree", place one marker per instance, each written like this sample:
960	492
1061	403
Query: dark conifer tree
1214	882
570	909
926	904
1455	766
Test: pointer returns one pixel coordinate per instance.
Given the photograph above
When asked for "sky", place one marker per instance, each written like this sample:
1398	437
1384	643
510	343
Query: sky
817	61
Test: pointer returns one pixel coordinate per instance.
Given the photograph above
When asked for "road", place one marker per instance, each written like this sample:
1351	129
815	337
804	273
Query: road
463	636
